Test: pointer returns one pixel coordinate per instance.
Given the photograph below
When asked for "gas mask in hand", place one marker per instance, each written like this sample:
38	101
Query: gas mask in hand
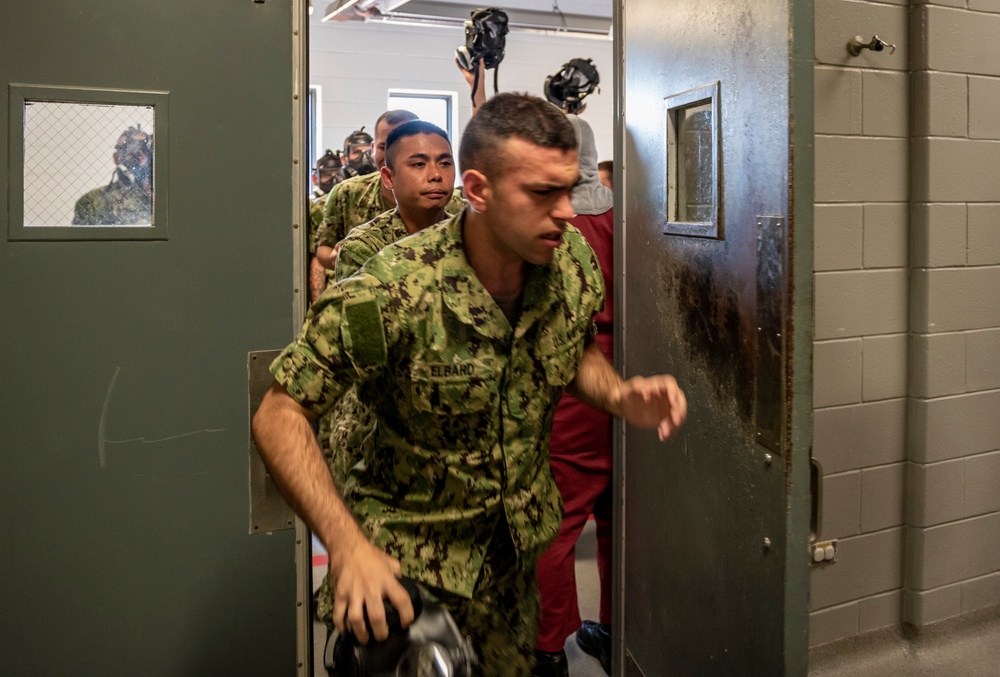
432	646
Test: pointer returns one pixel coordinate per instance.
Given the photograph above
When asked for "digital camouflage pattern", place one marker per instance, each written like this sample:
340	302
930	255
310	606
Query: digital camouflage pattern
342	429
428	349
463	402
316	206
366	240
352	202
116	204
358	200
501	618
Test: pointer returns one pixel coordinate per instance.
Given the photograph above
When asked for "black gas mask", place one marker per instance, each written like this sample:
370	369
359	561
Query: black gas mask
432	646
358	163
485	39
575	80
134	150
327	168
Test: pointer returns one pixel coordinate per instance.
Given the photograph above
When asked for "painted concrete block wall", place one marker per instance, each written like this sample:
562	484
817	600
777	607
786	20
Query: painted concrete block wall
862	287
356	64
953	537
907	343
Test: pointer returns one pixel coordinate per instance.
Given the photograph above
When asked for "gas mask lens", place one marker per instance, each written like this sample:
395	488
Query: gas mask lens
426	660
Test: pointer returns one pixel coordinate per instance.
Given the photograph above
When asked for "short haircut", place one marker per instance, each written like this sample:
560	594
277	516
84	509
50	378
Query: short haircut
395	117
510	115
411	128
607	166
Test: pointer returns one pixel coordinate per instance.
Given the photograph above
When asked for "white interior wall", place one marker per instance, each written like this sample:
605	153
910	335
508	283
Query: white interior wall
356	64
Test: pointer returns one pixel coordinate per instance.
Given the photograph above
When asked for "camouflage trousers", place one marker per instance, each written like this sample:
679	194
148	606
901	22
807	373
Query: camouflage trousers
501	619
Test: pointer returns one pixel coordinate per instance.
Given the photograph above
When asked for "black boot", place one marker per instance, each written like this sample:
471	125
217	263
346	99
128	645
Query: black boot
595	638
550	664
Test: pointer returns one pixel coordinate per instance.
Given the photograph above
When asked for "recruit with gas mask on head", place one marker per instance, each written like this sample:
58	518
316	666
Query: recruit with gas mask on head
357	155
134	156
432	646
485	40
571	84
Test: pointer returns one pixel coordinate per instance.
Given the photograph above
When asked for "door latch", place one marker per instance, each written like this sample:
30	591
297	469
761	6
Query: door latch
876	44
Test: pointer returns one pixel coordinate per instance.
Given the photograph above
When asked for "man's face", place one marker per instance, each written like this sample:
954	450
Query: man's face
527	204
423	172
382	130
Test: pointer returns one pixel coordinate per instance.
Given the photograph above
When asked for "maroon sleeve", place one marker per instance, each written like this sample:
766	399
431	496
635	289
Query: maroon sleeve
599	233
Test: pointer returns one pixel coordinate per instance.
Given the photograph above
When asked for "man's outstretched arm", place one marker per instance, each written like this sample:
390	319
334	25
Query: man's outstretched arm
647	402
361	574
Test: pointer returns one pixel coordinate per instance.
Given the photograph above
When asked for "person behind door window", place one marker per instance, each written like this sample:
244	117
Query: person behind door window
128	199
325	176
606	170
461	338
419	169
360	199
581	454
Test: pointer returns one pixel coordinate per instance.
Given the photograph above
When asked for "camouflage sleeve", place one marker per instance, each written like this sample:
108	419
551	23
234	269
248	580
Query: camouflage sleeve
315	221
352	256
85	211
344	340
329	232
456	204
592	291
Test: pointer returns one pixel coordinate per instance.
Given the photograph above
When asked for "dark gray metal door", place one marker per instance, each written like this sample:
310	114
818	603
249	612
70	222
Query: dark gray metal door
124	545
715	257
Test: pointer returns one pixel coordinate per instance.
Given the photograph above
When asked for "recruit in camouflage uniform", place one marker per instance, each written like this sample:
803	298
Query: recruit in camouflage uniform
359	200
455	481
116	204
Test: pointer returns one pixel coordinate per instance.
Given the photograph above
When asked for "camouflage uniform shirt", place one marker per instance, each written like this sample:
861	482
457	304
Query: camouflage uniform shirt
464	402
343	428
316	206
116	204
359	200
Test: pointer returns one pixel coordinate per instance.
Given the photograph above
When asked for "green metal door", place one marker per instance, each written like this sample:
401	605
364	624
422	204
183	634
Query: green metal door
715	249
124	545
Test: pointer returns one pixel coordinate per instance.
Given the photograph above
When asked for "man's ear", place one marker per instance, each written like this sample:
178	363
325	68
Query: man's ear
386	176
477	190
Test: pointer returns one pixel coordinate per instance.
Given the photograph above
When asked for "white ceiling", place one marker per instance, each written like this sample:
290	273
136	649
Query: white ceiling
565	14
593	8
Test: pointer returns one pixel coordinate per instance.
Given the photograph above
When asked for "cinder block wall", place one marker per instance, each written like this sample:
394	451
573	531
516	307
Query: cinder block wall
953	539
907	343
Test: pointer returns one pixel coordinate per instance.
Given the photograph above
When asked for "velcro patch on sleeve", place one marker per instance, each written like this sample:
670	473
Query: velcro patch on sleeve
367	335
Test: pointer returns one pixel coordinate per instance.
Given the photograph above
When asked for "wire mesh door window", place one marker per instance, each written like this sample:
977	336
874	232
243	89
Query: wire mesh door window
88	164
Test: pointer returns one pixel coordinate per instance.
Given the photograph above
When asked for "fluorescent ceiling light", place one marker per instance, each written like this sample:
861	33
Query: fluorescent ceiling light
335	8
404	19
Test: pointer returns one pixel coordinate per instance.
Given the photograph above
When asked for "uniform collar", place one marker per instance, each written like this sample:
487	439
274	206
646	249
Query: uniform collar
376	185
468	299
